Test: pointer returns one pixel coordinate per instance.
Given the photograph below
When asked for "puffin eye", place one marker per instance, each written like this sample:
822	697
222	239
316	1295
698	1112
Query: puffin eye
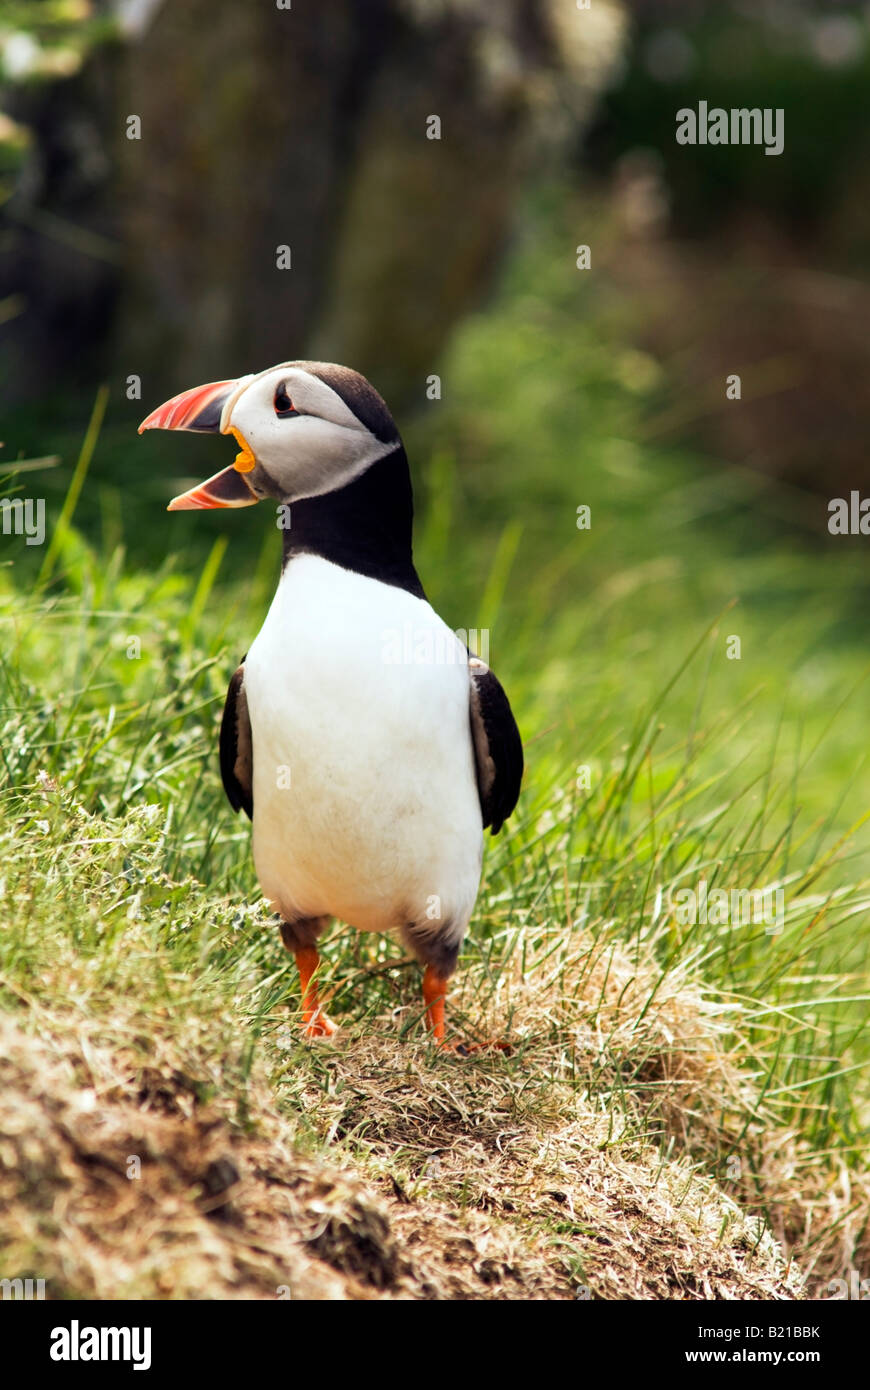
283	404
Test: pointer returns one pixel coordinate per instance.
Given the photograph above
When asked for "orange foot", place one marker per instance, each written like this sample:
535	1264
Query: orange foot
320	1026
316	1024
434	994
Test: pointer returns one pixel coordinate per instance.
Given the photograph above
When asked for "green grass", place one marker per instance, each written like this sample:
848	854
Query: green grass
612	643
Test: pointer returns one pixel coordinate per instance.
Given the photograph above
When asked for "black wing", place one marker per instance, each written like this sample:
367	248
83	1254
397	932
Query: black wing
237	748
498	750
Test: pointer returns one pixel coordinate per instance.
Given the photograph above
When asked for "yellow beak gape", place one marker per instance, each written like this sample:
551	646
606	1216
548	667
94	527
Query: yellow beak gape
244	461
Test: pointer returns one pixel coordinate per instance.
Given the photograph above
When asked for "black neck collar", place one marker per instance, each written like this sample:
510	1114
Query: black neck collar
365	526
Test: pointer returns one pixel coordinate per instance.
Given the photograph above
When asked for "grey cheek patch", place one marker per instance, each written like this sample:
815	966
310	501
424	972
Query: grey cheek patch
263	480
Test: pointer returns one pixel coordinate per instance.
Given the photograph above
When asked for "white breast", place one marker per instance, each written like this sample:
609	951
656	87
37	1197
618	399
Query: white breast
365	797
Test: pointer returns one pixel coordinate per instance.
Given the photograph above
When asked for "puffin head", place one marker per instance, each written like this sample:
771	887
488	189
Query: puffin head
303	429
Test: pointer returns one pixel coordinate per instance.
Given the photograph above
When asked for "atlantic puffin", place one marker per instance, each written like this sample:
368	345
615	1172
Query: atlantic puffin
366	744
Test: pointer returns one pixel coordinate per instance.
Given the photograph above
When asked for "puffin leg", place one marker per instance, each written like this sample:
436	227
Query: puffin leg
299	937
317	1024
434	994
438	952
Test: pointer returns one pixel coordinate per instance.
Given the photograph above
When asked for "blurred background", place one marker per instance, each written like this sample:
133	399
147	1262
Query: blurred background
306	128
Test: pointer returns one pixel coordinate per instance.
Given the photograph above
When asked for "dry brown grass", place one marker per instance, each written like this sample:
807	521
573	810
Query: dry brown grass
483	1181
591	1162
221	1213
676	1064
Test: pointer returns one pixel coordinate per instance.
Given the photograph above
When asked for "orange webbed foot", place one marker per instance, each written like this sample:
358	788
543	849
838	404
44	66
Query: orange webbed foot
434	994
316	1024
320	1025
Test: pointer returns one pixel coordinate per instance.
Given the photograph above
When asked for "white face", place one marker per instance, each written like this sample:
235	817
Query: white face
306	454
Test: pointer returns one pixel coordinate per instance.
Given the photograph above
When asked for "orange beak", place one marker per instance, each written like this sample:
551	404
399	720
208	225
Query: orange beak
200	411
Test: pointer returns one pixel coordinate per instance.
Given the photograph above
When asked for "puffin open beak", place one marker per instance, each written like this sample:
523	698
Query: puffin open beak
201	411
